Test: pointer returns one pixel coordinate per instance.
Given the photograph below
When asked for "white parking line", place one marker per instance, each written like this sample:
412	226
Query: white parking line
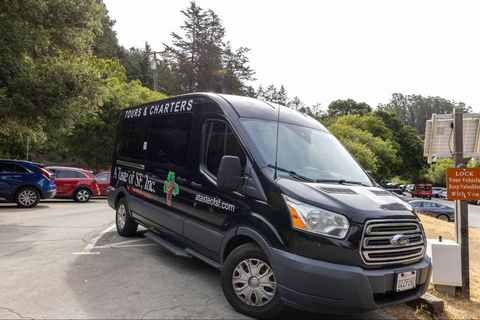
89	247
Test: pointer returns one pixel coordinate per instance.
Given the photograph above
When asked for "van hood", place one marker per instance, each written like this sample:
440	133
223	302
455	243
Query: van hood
357	203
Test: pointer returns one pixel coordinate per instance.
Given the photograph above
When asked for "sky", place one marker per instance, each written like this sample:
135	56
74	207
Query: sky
322	51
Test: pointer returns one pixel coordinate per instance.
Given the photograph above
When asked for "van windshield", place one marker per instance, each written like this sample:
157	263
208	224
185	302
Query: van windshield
312	153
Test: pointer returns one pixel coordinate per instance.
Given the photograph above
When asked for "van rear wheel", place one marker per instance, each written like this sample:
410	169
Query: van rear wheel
126	226
249	283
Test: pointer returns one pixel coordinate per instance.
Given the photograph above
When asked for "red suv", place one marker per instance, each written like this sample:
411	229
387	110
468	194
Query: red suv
75	183
103	182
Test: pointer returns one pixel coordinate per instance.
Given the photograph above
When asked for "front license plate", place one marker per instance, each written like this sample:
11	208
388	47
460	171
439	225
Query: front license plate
406	280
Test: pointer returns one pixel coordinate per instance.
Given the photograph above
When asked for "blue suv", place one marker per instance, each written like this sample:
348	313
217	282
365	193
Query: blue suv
25	182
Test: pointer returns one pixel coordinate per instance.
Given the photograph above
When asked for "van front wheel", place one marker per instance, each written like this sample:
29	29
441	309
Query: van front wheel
126	226
249	283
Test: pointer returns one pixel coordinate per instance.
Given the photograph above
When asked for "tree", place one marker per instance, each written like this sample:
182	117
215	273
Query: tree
384	151
95	151
296	104
48	77
415	110
410	146
349	106
437	173
203	60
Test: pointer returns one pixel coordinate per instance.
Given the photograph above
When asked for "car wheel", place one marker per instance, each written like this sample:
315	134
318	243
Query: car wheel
27	197
82	195
249	283
126	226
443	217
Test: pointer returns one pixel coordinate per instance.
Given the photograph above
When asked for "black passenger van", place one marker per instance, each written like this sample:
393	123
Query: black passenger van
270	197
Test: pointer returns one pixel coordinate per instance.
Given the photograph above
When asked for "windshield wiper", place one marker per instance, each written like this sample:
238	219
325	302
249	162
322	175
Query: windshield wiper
342	181
292	173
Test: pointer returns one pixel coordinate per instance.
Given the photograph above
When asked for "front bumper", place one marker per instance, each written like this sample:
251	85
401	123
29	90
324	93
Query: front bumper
325	287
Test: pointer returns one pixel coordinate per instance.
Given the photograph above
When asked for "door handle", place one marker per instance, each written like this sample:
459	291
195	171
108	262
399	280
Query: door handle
196	185
181	180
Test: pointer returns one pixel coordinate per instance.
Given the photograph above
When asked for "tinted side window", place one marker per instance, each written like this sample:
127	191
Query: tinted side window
122	137
169	139
66	173
136	138
234	148
21	169
221	141
7	168
79	174
215	145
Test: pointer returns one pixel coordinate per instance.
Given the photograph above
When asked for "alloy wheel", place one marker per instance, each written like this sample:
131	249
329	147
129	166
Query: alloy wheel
27	197
83	195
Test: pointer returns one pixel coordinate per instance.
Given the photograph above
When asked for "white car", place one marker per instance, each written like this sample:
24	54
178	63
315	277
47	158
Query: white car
443	194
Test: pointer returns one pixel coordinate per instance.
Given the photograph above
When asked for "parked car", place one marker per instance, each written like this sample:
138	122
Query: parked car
402	186
200	172
25	182
436	191
409	187
75	183
443	194
477	202
423	190
435	209
103	180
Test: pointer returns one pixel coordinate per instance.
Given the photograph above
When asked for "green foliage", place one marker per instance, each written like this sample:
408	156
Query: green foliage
415	110
48	78
349	106
437	173
361	153
398	179
385	154
474	163
92	141
409	146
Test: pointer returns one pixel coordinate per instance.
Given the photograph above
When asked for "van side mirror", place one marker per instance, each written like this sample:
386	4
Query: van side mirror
229	173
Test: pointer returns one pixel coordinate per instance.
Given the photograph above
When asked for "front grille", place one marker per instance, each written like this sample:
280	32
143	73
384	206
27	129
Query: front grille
377	247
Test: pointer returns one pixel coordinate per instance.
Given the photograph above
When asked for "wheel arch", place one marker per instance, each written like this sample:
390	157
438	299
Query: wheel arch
82	187
241	235
24	185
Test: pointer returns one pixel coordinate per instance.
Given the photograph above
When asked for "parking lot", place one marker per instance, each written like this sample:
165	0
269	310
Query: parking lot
63	259
473	211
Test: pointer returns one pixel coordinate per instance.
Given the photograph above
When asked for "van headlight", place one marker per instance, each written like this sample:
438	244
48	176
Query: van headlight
309	218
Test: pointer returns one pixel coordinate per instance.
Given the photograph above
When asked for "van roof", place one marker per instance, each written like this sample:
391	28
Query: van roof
246	107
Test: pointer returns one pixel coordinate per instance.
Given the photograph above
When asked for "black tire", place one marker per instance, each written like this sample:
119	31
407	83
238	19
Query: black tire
240	255
82	195
126	226
443	217
27	197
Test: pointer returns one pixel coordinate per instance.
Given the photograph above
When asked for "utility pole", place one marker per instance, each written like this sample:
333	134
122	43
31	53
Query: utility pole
461	206
154	68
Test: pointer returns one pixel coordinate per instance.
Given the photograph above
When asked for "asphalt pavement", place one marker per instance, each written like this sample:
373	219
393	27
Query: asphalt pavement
64	259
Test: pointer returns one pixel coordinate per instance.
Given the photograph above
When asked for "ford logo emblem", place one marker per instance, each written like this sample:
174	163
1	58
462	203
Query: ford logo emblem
399	240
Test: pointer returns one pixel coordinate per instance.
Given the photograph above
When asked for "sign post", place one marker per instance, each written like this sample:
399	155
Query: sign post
462	184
